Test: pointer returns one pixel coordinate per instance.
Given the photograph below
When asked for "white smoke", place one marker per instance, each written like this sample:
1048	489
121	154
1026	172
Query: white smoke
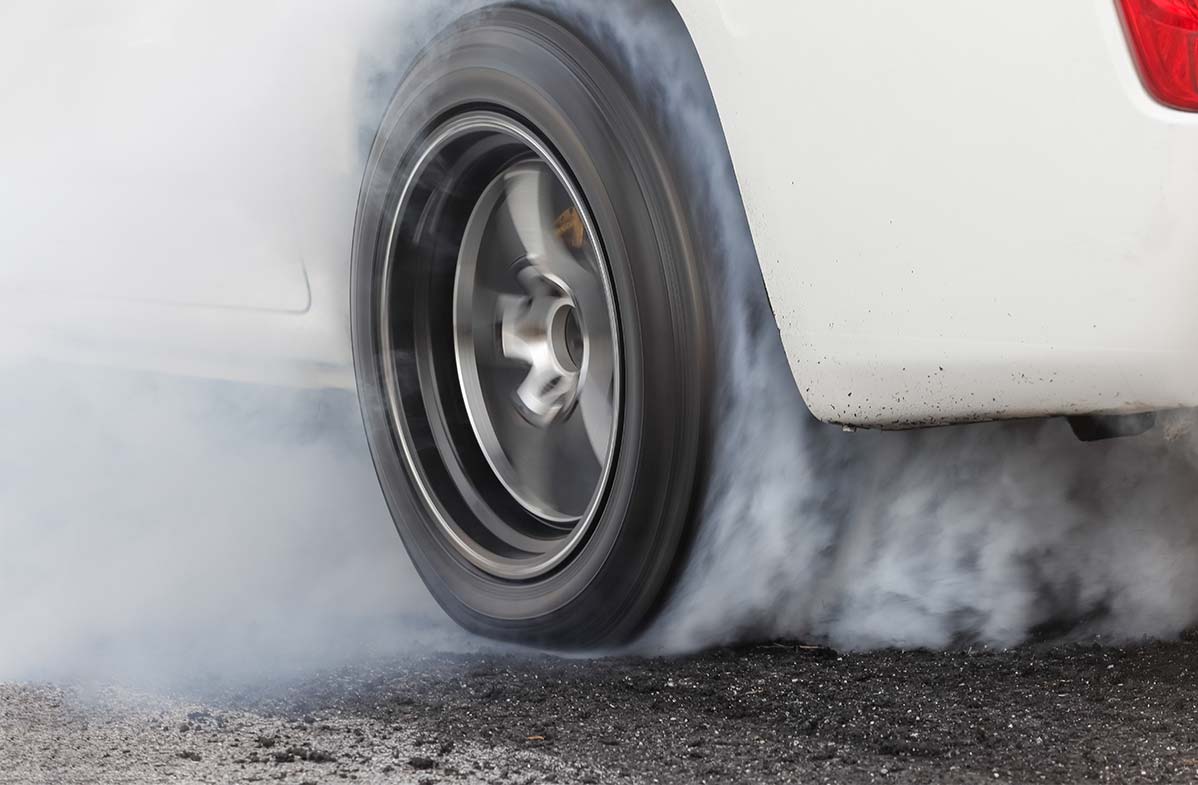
987	534
183	496
163	526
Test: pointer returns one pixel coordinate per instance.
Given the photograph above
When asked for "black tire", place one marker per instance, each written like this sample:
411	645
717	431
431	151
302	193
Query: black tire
523	64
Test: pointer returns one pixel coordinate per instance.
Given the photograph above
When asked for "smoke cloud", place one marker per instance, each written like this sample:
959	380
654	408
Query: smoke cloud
185	491
171	512
989	534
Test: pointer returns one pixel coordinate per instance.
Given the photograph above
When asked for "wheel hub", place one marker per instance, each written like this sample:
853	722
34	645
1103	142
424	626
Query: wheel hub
542	331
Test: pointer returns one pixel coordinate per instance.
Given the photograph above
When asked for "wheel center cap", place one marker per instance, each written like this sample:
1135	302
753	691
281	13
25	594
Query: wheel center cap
543	332
565	336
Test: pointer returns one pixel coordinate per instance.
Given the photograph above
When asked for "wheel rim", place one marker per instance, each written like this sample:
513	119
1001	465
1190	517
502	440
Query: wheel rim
523	400
542	392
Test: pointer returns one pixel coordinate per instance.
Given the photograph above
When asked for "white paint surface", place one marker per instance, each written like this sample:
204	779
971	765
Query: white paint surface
963	210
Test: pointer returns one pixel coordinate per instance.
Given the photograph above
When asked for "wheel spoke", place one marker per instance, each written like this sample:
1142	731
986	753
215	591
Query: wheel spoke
595	403
554	475
513	312
595	408
529	194
530	202
580	460
542	394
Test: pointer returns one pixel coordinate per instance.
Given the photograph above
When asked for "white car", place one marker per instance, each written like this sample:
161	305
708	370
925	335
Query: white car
962	211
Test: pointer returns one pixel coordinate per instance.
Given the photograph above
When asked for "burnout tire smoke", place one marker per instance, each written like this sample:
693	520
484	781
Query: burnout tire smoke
505	94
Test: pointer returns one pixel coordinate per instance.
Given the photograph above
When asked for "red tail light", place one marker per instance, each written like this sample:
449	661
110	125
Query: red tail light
1164	38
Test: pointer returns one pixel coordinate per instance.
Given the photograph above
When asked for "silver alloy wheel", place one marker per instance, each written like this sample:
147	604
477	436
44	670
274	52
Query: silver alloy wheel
547	437
536	349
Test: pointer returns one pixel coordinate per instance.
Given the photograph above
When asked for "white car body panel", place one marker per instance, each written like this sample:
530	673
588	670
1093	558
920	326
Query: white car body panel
165	190
963	210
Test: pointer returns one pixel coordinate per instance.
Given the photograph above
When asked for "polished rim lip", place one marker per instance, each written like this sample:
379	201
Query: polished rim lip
516	569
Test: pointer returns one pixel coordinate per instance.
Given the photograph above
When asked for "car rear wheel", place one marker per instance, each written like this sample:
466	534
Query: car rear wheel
531	334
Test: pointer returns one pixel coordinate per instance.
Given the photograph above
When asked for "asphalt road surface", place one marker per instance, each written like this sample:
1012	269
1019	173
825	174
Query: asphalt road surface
772	713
